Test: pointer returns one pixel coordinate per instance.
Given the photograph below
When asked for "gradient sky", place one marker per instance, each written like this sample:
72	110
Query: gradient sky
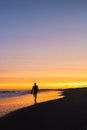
43	40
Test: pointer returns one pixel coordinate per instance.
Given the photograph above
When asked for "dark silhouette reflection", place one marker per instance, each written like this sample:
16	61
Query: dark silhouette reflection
34	91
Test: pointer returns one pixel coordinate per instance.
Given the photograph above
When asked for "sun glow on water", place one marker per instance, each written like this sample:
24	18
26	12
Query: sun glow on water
8	104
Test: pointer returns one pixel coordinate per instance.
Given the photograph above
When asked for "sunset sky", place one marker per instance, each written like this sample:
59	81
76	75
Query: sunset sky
43	41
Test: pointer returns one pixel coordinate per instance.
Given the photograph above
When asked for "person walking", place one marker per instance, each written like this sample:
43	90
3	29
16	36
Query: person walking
34	91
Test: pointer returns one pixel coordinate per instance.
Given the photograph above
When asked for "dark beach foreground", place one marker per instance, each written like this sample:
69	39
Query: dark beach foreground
68	113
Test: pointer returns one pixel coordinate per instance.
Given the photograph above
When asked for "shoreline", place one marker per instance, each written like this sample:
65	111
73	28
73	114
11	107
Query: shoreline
9	104
67	113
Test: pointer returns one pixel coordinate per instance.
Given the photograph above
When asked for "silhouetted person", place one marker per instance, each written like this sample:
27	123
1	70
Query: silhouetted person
34	91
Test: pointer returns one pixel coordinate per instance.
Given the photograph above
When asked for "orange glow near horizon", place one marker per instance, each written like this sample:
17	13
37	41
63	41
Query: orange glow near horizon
44	82
63	76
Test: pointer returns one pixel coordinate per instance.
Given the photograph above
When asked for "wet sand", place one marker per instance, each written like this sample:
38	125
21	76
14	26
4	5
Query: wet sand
68	113
10	104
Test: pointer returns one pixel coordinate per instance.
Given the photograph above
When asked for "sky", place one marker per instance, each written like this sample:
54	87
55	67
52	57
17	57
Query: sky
43	41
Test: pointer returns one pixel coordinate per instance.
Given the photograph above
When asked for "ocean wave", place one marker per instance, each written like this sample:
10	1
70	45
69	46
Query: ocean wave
7	93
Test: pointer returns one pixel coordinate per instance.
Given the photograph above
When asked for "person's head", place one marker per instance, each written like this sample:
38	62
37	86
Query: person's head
34	83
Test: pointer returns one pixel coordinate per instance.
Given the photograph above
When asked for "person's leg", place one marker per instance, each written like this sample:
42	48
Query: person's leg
35	97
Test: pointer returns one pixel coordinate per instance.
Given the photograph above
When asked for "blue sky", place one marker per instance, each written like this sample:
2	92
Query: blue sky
37	34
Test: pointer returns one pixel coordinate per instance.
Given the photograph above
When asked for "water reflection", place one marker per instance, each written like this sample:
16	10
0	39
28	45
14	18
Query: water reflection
13	103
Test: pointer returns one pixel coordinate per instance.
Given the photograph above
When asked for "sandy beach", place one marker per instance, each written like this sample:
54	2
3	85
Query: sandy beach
68	113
